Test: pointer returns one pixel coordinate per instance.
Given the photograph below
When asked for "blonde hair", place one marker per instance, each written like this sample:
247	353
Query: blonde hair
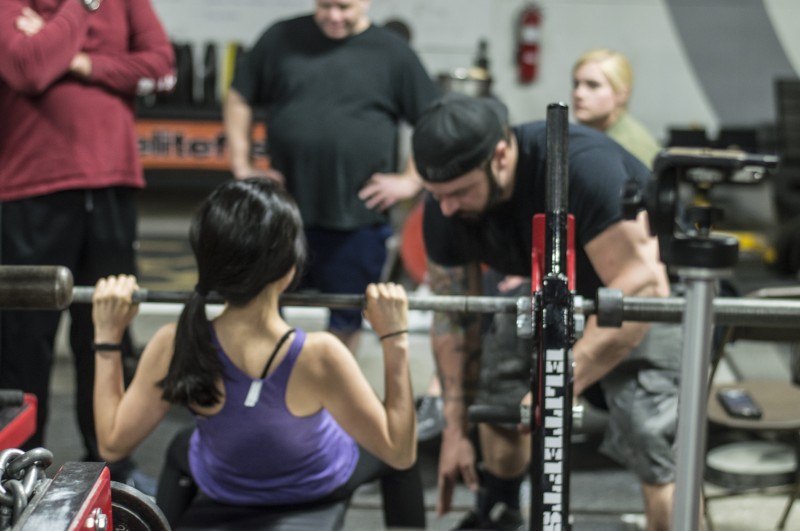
614	66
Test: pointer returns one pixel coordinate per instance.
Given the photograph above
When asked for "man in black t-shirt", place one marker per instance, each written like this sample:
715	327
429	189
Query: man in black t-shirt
486	181
334	87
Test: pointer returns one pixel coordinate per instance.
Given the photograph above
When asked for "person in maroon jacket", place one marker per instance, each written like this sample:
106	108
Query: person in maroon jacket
69	167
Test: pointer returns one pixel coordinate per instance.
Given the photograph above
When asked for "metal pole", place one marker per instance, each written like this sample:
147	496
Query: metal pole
552	385
695	361
443	303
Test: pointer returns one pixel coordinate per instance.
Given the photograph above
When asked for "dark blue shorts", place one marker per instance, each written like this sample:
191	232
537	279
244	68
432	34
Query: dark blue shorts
345	262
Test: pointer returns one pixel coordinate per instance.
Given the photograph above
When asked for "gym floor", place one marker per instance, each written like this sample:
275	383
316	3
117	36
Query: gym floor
604	496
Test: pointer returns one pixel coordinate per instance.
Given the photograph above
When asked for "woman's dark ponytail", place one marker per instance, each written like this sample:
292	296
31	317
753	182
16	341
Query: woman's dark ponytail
246	235
195	358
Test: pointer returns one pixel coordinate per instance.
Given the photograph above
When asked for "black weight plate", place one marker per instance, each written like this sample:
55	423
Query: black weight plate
133	511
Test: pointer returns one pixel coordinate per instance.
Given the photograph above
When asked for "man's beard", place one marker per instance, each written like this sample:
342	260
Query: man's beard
492	202
495	192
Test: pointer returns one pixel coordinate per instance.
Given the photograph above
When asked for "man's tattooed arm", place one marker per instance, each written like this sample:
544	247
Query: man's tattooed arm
455	339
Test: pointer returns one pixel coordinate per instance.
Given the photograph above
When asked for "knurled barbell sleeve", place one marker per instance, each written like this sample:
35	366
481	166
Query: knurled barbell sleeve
737	311
27	287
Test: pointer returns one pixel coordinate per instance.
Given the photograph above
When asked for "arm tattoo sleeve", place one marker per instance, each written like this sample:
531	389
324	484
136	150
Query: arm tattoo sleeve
457	331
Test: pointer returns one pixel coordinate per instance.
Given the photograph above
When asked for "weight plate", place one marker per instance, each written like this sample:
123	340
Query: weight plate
133	511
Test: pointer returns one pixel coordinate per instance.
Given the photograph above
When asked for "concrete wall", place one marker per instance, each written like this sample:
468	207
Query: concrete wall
705	62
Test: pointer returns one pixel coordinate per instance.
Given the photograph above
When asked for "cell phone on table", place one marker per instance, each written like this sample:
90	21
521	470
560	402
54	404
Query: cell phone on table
738	403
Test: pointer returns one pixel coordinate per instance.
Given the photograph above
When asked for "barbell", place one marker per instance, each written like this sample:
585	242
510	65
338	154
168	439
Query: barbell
51	288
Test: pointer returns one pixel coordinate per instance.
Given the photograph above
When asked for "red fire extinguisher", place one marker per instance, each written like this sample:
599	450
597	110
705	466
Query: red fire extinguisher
530	21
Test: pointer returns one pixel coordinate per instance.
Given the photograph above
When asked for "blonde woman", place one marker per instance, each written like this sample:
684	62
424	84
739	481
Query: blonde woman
601	87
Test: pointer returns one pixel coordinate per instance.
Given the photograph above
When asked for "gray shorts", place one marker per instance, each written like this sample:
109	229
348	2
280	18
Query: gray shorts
643	410
641	393
505	359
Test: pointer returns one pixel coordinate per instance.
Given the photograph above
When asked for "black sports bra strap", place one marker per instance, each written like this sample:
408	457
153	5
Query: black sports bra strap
278	346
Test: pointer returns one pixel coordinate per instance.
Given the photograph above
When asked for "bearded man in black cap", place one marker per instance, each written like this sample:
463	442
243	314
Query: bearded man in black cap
486	180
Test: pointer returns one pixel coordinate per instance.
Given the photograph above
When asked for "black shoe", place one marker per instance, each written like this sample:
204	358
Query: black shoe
430	417
505	518
502	518
473	520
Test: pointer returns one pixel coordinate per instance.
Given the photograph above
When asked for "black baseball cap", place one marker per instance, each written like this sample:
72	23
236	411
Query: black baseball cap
456	134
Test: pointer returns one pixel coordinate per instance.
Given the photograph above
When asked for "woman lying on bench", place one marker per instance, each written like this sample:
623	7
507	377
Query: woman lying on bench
282	417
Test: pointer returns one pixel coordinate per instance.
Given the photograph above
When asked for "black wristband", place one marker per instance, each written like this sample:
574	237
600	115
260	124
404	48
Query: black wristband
390	334
106	347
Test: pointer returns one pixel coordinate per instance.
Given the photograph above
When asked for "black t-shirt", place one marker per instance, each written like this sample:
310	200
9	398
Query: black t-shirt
332	111
502	239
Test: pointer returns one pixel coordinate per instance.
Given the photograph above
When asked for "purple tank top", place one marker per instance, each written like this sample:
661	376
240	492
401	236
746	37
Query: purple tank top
261	454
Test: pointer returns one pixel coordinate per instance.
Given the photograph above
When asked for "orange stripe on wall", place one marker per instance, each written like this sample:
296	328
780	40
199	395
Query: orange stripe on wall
191	145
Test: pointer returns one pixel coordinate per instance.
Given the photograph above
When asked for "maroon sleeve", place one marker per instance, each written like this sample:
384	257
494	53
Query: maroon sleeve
31	64
148	66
